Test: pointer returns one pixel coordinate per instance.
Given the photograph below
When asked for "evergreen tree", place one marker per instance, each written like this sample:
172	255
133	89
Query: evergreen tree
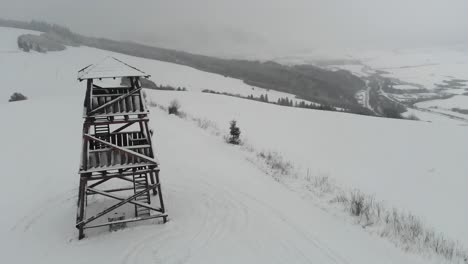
235	132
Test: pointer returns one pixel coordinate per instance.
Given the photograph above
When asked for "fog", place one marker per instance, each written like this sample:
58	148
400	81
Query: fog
241	27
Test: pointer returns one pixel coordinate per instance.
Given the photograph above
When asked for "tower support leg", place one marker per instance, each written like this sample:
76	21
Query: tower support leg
163	210
152	180
81	205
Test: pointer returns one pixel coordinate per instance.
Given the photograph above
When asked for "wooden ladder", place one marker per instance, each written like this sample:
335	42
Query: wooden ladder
140	182
101	132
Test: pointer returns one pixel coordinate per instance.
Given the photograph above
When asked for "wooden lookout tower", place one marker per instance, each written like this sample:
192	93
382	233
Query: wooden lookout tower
119	170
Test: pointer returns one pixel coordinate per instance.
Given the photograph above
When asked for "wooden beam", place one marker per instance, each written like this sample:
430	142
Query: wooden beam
127	147
112	190
122	199
119	167
99	182
115	121
164	216
113	101
122	127
121	149
163	210
81	214
82	223
121	174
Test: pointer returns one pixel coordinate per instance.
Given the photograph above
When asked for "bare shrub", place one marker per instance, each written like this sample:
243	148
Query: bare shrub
205	123
174	107
152	103
276	163
412	117
404	229
321	184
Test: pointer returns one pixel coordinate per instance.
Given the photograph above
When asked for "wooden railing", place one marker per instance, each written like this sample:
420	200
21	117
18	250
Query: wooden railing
123	148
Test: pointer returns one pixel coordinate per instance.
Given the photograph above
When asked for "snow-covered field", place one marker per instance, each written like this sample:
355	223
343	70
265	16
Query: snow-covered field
416	166
423	66
428	68
222	208
458	101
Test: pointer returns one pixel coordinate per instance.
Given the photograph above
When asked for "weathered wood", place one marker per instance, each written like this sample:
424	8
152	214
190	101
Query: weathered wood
119	175
82	223
126	147
123	127
92	112
115	121
112	190
164	216
109	155
81	206
163	210
153	181
133	153
149	136
129	201
110	168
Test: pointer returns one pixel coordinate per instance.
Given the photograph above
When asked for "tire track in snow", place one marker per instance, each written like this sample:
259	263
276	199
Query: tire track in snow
220	215
31	218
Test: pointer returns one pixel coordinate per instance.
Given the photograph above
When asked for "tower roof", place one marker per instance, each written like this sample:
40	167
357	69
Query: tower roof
110	67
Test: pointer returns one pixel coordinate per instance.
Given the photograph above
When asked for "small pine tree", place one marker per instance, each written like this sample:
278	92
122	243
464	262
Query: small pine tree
235	132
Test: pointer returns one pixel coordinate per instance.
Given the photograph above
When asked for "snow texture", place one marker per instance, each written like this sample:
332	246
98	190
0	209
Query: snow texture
222	208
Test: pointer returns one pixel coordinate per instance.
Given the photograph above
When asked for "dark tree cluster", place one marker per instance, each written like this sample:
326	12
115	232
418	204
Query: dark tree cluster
147	83
17	97
285	101
24	45
261	98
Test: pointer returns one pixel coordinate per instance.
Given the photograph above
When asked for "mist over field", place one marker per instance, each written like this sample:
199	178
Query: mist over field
262	27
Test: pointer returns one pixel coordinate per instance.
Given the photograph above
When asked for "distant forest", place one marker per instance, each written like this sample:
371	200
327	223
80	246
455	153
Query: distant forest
334	88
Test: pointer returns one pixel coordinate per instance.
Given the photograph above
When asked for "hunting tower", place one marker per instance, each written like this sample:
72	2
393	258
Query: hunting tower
117	162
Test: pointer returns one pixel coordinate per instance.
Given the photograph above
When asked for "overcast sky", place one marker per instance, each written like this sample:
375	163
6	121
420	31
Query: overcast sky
250	26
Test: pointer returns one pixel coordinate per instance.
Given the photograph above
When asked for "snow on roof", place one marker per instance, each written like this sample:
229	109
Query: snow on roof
110	67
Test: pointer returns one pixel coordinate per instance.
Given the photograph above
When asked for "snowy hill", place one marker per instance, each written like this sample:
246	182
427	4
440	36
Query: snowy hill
223	206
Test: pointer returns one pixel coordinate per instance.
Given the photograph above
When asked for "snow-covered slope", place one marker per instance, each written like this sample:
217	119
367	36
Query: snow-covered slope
415	166
62	67
222	208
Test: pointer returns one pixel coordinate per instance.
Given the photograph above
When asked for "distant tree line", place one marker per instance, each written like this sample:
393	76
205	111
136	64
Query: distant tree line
147	83
41	26
281	101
